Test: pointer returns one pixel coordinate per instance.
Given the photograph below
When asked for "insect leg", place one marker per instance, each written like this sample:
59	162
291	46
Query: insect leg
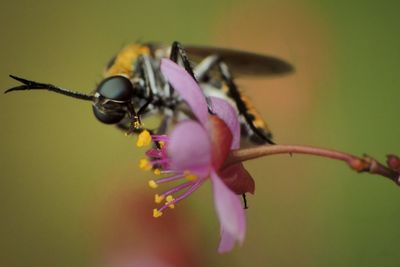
177	50
150	82
145	70
240	104
203	68
149	79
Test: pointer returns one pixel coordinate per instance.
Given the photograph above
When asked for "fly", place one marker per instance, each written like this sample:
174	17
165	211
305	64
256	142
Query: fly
133	86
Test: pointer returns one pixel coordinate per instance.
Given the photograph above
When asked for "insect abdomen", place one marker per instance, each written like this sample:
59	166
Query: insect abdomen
257	120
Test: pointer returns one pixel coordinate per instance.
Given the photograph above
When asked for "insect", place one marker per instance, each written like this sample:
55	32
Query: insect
133	86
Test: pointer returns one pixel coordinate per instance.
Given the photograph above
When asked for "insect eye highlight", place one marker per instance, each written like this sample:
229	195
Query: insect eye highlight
117	88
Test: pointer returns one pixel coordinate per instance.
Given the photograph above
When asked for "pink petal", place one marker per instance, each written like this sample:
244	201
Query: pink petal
238	179
226	242
187	88
229	115
190	149
230	214
235	177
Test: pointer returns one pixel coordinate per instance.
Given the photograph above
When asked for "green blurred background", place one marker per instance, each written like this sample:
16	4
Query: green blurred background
61	168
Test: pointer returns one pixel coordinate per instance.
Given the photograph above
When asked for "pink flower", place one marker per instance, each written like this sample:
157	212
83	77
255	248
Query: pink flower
195	151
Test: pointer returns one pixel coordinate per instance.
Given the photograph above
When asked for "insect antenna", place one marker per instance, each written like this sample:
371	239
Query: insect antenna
31	85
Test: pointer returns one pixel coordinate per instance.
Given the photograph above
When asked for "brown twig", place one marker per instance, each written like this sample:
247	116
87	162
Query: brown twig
358	164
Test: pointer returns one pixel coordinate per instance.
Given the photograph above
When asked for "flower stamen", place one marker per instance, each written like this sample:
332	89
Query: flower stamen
145	164
169	201
189	175
144	139
153	153
158	199
153	184
160	138
176	189
193	188
159	161
169	179
157	213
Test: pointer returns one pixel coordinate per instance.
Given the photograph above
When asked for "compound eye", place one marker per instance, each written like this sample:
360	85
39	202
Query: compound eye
108	117
116	88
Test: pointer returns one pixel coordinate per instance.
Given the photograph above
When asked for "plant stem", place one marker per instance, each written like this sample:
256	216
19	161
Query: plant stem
358	164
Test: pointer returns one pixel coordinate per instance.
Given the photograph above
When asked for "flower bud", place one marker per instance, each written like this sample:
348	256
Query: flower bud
393	162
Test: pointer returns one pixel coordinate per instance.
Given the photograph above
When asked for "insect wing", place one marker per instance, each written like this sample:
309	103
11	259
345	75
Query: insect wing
242	63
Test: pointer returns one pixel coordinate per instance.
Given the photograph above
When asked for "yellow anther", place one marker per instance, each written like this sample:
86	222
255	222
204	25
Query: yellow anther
157	213
153	184
189	175
144	139
145	164
169	199
161	143
158	198
157	172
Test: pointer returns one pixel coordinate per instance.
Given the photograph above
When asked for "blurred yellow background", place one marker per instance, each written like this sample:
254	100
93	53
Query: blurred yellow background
62	169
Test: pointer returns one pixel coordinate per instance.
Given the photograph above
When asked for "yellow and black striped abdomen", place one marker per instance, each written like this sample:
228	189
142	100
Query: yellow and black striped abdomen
257	120
250	115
